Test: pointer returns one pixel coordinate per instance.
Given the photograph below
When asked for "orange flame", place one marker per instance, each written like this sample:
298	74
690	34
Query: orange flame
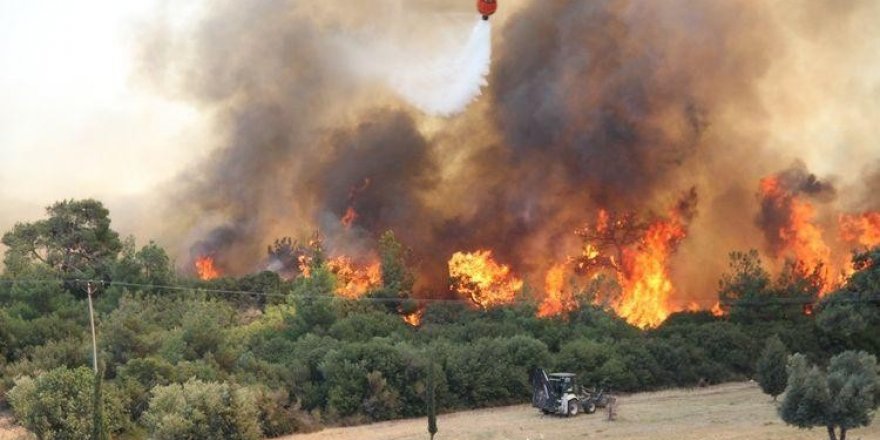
717	310
801	238
205	268
557	299
415	318
350	216
354	281
304	263
863	228
602	220
475	275
644	279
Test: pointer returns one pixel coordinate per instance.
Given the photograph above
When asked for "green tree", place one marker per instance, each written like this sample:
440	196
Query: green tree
806	395
843	398
150	266
850	317
770	369
99	427
313	298
397	278
753	296
197	409
55	405
76	240
746	281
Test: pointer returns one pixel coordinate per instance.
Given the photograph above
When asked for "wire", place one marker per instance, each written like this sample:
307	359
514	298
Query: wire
750	302
235	292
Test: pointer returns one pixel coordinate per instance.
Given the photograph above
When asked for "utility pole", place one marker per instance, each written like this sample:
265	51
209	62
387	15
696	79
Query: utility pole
98	429
91	290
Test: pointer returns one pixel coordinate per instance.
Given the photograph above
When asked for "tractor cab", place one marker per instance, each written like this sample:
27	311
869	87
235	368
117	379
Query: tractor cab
563	383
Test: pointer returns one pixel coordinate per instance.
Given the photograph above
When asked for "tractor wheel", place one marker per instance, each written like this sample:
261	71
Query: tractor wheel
589	407
573	407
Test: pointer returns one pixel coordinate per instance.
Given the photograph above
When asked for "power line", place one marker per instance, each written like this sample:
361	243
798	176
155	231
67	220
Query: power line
746	302
233	292
754	302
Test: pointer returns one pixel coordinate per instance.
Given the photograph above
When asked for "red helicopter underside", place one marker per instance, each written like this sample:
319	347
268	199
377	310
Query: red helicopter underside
487	7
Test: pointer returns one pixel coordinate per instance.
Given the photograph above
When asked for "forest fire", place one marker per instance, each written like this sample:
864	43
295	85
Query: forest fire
863	229
354	281
205	268
350	216
637	254
644	279
415	318
557	298
789	218
790	226
615	141
476	276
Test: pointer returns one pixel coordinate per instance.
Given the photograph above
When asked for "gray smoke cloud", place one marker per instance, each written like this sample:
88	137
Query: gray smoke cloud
613	104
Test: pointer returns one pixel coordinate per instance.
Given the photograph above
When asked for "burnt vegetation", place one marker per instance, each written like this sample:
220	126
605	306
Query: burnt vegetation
270	355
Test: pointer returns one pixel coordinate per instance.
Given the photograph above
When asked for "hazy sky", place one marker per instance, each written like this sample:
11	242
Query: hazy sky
74	122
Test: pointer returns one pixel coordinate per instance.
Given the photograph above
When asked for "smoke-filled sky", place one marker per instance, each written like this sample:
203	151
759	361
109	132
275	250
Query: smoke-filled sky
219	128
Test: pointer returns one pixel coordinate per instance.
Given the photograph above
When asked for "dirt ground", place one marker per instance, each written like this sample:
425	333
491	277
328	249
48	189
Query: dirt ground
736	411
8	429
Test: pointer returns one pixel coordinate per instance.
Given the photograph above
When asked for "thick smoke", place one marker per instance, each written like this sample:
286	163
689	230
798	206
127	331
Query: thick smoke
613	104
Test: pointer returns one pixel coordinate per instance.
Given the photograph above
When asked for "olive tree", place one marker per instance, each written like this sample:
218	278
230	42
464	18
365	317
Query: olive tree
57	405
842	398
199	409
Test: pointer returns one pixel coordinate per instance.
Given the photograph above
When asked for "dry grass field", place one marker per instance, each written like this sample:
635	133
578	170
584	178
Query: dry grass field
737	411
8	429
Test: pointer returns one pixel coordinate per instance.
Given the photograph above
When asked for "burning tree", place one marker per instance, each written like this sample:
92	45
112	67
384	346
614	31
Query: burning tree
476	276
788	218
606	241
206	270
637	252
290	257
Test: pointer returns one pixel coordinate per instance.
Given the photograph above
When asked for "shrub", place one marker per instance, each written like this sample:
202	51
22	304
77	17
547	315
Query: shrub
770	369
196	410
58	404
279	416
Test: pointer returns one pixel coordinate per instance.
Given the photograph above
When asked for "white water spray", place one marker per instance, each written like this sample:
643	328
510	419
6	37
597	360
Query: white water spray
445	85
440	80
